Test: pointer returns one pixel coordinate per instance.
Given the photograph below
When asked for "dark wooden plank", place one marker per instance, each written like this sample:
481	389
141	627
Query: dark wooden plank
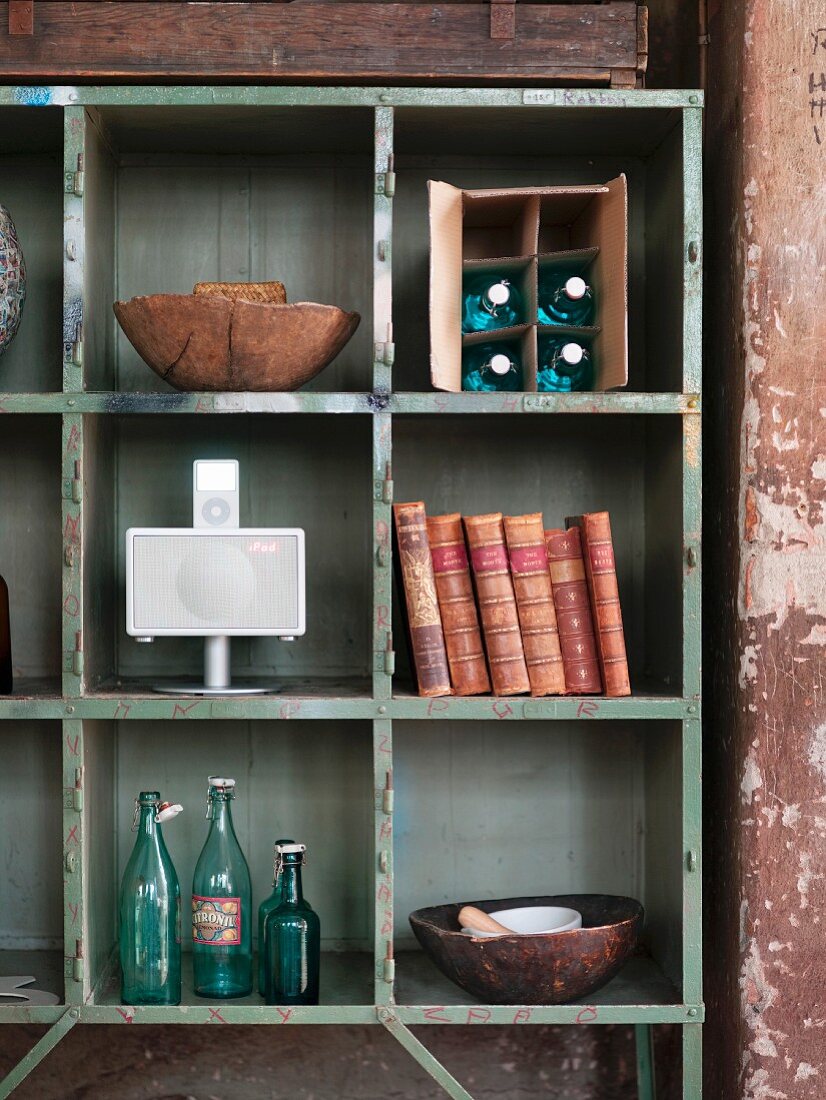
100	39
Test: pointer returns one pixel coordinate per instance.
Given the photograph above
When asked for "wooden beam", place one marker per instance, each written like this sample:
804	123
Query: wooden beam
318	42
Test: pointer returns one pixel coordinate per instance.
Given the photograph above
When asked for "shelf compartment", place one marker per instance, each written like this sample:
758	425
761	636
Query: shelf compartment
177	195
641	992
498	147
560	808
30	548
630	466
346	980
311	781
31	186
31	929
295	472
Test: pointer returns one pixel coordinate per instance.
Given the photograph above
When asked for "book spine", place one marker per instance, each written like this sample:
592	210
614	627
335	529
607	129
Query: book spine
601	571
497	604
460	620
528	557
573	612
429	658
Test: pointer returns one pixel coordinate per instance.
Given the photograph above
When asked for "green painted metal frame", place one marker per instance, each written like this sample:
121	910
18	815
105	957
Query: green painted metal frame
73	705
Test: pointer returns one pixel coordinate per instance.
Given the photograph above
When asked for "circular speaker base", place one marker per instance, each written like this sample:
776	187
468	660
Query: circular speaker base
236	688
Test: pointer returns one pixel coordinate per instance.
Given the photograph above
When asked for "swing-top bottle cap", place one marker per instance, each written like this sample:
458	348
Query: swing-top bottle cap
499	363
572	354
290	849
575	287
499	293
220	781
167	810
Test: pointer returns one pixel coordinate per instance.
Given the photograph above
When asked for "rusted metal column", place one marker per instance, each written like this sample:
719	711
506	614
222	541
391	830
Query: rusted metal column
765	758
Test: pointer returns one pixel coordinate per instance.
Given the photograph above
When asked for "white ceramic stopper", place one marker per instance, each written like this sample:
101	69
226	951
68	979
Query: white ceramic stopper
498	294
219	781
166	811
575	288
572	354
499	364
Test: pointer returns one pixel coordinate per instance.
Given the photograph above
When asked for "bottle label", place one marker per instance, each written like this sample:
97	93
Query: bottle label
216	921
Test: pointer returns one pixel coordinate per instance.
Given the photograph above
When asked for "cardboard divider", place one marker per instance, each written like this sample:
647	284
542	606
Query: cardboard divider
525	336
590	222
521	270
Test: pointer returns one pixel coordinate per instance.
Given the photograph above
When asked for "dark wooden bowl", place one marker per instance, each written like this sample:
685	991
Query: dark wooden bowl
533	970
208	342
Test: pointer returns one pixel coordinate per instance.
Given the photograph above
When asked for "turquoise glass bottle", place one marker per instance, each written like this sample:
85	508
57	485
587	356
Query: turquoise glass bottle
150	912
292	936
487	368
221	904
264	909
490	303
564	299
563	366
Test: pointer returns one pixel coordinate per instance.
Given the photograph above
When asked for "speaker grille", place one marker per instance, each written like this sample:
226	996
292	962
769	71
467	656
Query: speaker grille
231	582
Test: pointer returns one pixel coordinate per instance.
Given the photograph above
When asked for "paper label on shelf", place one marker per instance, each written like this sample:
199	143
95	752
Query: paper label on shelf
216	921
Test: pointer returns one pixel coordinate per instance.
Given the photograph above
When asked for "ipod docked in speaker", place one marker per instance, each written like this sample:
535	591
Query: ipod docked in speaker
215	580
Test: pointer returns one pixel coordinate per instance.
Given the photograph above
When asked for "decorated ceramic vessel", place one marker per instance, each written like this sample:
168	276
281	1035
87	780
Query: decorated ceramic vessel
12	280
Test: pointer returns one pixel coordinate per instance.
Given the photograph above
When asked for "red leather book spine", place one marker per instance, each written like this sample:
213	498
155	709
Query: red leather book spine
535	603
460	620
429	658
573	612
497	604
601	571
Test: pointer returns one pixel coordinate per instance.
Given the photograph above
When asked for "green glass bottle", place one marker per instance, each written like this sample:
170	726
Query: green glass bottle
264	909
221	904
488	368
292	936
564	366
564	299
150	912
6	678
490	303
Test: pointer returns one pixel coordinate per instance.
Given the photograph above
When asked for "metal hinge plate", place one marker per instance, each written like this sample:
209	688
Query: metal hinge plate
386	184
73	181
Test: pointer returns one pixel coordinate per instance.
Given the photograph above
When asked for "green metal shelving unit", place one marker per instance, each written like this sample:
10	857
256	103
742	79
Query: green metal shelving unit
286	180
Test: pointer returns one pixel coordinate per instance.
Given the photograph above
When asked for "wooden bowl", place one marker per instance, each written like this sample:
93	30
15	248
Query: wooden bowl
207	342
533	970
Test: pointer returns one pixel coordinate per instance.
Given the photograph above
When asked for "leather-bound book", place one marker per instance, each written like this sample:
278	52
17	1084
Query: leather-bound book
427	643
573	612
601	571
460	619
497	604
535	603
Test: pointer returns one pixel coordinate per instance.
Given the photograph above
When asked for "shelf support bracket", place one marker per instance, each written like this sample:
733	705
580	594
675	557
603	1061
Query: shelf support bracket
41	1048
419	1051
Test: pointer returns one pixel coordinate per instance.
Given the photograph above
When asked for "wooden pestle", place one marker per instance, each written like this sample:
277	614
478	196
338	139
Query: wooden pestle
471	917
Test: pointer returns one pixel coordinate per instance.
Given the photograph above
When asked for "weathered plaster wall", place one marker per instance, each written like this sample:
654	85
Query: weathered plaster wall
765	759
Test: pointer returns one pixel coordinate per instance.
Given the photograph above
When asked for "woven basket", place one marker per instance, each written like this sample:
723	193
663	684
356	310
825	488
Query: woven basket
273	293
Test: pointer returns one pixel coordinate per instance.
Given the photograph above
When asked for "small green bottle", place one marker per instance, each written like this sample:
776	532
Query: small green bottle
490	303
150	911
564	366
264	909
489	368
292	936
564	299
221	904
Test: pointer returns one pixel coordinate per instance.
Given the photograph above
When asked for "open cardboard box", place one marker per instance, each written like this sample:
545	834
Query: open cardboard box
527	224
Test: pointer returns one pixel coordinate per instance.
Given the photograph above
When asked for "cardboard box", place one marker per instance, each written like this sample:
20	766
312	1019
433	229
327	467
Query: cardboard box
530	227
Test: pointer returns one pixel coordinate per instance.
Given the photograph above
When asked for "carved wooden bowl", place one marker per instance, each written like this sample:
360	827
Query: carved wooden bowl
547	969
208	342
